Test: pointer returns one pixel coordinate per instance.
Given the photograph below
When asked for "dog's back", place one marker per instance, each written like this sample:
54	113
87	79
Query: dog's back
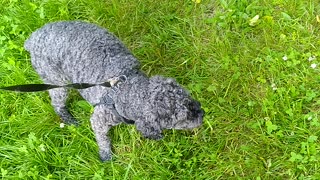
76	51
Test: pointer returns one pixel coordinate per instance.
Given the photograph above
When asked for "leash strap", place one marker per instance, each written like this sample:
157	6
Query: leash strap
44	87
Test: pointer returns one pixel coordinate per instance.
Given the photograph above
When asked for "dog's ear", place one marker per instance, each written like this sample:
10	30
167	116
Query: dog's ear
150	127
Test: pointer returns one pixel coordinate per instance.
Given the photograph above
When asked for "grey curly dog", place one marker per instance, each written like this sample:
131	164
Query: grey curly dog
79	52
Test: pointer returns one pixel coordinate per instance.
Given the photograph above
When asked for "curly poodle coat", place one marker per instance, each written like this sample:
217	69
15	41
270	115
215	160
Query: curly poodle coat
79	52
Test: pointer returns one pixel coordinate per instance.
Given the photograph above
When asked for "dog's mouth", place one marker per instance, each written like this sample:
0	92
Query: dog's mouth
190	123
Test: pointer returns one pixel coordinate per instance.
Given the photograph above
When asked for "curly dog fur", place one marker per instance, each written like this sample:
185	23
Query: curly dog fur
78	52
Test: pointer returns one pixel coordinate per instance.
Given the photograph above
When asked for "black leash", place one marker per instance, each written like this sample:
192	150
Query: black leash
113	83
44	87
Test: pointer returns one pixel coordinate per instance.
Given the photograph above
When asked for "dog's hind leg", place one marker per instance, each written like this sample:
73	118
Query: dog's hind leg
58	100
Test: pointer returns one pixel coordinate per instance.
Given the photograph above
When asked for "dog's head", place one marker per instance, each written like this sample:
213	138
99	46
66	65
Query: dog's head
169	107
174	106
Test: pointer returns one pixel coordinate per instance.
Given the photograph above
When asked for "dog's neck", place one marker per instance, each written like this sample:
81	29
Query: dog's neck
131	98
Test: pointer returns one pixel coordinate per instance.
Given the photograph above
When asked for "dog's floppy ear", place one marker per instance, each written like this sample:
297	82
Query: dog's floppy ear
150	127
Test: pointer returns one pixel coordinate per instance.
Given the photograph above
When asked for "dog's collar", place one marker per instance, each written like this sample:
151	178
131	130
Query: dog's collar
106	100
114	85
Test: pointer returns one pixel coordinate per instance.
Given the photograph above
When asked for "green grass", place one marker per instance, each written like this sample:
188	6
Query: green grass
262	112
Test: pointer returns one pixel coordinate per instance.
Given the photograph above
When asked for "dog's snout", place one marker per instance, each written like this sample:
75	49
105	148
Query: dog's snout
201	115
202	112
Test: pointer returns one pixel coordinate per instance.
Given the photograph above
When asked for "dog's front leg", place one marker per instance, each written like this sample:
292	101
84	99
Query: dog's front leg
149	128
102	119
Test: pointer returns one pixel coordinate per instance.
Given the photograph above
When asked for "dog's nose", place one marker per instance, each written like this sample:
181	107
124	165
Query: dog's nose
199	114
202	112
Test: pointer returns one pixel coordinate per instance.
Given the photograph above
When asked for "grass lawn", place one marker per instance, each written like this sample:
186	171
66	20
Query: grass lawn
253	65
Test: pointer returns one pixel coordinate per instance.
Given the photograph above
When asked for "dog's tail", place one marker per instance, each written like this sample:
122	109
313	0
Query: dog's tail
31	42
37	38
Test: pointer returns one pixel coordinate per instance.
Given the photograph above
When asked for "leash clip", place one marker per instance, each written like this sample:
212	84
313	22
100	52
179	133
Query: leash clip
114	82
117	81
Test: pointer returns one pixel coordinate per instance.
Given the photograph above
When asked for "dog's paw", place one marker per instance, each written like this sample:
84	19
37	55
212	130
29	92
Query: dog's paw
105	156
154	136
71	121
